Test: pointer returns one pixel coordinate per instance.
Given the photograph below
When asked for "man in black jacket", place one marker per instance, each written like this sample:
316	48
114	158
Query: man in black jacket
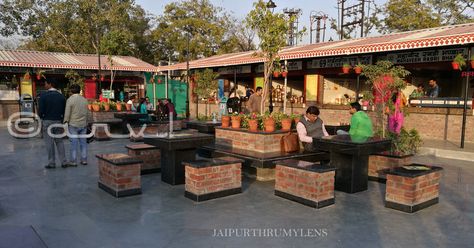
51	111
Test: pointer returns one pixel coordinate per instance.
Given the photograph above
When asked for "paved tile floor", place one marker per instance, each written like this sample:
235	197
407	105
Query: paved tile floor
66	209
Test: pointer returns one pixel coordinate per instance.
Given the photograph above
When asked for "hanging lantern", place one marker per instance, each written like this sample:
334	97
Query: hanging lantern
102	78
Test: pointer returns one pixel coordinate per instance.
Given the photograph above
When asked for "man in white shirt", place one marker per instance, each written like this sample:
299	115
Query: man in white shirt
310	126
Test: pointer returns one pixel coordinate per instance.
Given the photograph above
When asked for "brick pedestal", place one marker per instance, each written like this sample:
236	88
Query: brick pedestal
305	182
119	174
252	141
212	178
412	190
100	131
150	155
379	163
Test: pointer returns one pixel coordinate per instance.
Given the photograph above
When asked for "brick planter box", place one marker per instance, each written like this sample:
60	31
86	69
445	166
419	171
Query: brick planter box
150	155
100	132
305	182
119	174
412	190
252	141
379	163
212	178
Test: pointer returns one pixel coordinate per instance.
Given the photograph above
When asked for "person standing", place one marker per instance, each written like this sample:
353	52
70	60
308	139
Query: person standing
310	126
255	101
76	118
51	111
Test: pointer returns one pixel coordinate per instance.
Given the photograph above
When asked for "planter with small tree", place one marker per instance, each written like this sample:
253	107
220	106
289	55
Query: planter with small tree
458	62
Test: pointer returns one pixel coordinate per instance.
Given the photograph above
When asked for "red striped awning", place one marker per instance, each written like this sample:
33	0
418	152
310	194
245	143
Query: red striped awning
49	60
426	38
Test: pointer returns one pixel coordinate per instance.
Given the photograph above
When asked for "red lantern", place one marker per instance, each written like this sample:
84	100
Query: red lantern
159	81
38	77
102	78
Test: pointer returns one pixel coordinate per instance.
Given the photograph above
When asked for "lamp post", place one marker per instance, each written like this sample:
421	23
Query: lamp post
187	75
271	5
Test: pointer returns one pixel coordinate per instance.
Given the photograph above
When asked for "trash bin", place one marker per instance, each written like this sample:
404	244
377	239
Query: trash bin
26	103
233	105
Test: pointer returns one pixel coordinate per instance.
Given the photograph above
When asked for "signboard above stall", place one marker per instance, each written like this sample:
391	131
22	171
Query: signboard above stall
333	62
235	69
292	66
425	56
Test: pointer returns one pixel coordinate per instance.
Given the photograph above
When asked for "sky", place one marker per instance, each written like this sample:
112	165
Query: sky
240	8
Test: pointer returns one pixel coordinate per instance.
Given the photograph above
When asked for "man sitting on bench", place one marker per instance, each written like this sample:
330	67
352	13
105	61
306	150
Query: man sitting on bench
310	126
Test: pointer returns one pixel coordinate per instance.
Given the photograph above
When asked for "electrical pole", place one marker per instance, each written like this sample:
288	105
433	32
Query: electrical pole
317	17
292	32
356	12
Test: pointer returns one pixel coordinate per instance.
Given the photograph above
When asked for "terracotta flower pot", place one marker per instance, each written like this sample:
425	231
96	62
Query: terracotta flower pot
358	70
236	122
286	124
253	125
106	107
38	77
276	74
284	74
119	106
96	107
472	64
269	125
89	107
345	70
455	65
128	107
225	121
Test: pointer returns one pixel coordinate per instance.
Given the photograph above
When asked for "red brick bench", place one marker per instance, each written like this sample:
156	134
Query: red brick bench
410	190
304	182
119	174
151	156
212	178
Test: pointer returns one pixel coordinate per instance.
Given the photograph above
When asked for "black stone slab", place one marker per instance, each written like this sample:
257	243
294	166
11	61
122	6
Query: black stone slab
203	163
332	129
150	171
350	157
213	195
258	159
304	201
305	165
175	150
119	193
132	118
119	159
400	171
203	126
411	209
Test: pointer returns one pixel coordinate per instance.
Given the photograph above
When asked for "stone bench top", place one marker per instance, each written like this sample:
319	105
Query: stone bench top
401	171
304	165
119	159
253	155
260	132
108	121
140	147
203	163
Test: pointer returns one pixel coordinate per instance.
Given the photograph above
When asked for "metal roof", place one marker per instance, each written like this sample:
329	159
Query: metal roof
425	38
35	59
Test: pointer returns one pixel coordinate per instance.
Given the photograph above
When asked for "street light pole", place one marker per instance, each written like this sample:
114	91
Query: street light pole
271	5
187	75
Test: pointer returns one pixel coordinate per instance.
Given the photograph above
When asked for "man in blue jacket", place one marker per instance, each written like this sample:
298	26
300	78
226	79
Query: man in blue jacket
51	111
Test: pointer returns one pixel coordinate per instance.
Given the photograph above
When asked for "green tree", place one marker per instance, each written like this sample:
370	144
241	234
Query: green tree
407	15
271	29
208	28
206	83
118	27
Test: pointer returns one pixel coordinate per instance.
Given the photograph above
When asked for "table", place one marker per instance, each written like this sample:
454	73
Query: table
350	156
203	126
332	128
131	118
175	149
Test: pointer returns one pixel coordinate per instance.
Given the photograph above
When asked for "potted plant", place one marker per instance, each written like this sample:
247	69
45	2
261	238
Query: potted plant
282	121
276	72
128	107
236	118
253	122
105	106
458	62
358	68
89	106
472	61
295	118
345	68
39	74
96	106
118	106
284	73
268	123
225	121
112	106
